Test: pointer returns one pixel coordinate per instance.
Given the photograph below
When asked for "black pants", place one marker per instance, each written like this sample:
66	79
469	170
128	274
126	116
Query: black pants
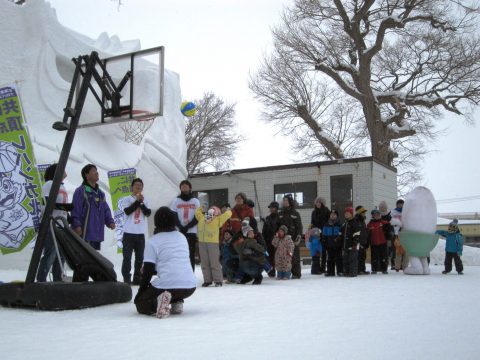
362	257
271	253
448	262
334	259
132	243
350	262
296	266
146	301
323	263
379	257
192	240
392	254
315	266
251	268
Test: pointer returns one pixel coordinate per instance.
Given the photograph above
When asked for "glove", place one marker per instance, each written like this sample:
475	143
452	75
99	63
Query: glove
120	244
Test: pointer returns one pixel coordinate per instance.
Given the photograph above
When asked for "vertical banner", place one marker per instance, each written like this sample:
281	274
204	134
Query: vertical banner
20	190
119	182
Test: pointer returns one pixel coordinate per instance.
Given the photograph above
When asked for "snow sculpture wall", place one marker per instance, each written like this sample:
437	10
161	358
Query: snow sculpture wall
36	53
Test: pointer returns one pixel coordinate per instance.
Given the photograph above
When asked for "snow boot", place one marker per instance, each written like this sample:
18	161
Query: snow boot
163	305
218	284
206	284
245	279
177	308
258	280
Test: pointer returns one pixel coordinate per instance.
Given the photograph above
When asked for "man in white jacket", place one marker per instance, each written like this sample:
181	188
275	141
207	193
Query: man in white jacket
136	210
185	206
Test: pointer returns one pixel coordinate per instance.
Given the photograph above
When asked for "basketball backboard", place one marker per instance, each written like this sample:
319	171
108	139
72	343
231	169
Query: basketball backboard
140	75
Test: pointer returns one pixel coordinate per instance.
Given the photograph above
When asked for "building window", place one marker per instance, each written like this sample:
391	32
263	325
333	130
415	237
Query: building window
216	197
304	193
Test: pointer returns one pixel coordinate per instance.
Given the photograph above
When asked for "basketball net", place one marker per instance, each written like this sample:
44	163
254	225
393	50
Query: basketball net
135	129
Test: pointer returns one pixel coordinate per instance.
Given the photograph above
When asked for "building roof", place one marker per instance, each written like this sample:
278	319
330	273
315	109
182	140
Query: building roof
444	221
294	166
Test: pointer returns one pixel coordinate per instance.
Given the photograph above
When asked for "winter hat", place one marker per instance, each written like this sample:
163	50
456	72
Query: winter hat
246	222
360	210
289	197
375	211
274	204
246	229
349	210
320	199
284	229
315	232
453	225
212	212
333	211
383	207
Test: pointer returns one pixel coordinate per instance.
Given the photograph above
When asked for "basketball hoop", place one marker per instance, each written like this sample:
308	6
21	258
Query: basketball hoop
134	130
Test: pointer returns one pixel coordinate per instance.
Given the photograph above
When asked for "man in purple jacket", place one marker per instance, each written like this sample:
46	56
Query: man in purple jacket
90	209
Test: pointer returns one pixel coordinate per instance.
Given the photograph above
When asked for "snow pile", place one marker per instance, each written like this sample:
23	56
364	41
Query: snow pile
36	52
390	316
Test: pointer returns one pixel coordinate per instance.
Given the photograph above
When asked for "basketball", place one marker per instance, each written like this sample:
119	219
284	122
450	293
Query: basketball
188	108
9	158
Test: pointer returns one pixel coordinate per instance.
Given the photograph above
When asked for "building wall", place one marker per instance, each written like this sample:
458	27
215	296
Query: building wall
371	182
383	181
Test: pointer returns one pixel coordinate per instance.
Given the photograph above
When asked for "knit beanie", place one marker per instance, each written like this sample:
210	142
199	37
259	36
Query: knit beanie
349	210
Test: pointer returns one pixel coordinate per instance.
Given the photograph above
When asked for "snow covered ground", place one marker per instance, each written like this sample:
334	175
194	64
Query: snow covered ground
392	316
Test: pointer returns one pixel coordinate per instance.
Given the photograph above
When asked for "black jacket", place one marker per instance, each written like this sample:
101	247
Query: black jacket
350	234
320	216
291	219
270	227
363	238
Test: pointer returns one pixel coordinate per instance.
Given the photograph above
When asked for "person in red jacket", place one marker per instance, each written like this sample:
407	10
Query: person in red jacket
377	236
241	211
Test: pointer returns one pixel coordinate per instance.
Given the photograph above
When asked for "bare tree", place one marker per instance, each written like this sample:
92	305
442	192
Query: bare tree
403	62
210	135
321	122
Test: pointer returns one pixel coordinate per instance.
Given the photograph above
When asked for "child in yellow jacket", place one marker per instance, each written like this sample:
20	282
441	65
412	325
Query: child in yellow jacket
209	225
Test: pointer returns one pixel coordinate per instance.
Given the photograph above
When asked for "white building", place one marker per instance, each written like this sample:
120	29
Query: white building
362	181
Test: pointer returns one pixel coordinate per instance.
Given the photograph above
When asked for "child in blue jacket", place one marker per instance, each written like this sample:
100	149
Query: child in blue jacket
315	246
453	247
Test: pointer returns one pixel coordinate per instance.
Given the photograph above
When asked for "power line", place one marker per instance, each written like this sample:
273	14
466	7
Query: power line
459	199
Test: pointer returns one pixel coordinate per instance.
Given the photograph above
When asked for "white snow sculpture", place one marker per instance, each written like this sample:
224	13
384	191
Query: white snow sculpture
36	54
419	219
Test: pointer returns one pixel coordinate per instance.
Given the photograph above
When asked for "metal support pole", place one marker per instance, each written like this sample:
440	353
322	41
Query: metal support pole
62	163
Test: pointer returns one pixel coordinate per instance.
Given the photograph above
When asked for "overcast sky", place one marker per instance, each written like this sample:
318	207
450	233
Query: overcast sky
214	44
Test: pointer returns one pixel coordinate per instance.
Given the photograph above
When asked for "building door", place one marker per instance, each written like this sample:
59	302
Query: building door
341	193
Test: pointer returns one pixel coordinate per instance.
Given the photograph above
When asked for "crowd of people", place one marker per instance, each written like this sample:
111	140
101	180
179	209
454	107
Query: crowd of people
231	247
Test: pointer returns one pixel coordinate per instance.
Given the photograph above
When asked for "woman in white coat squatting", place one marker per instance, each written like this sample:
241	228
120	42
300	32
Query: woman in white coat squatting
167	256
